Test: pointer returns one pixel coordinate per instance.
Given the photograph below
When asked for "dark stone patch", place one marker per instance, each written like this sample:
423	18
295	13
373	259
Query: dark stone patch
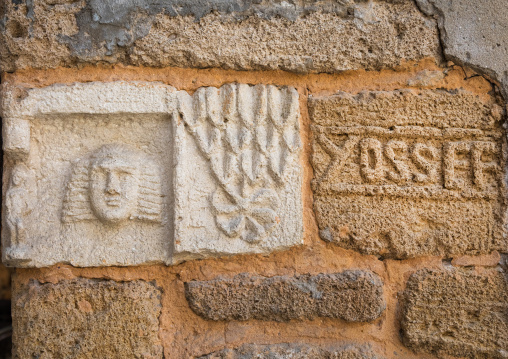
353	295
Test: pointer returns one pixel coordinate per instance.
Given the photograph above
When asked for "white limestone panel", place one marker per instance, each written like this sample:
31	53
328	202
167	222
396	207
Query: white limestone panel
88	172
130	173
238	175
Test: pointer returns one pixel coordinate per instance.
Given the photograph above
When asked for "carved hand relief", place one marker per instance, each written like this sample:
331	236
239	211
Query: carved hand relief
126	173
246	139
396	176
113	184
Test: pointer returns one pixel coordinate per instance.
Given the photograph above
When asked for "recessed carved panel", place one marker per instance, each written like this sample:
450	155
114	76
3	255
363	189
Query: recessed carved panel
92	186
403	174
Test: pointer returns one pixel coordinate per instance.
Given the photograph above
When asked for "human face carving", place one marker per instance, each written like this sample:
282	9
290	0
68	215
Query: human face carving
113	189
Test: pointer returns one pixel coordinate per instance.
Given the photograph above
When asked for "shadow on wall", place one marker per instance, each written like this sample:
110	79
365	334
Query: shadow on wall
5	313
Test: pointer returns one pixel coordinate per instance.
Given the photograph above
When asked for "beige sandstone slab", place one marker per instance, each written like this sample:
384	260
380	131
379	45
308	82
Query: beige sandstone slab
98	173
300	36
403	174
87	318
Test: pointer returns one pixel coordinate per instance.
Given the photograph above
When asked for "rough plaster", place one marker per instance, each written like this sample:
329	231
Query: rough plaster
474	33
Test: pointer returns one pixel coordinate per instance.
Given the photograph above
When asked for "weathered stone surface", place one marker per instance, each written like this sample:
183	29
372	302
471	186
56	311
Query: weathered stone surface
456	312
84	174
293	351
315	36
238	175
353	295
112	173
86	318
404	174
474	33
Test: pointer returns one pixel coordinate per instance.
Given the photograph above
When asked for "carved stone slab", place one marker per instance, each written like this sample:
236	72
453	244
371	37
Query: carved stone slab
238	178
88	174
403	174
117	173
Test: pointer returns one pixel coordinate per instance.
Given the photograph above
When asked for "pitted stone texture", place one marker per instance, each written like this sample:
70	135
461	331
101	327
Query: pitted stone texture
293	351
474	33
456	312
238	174
92	184
317	36
86	318
403	174
354	296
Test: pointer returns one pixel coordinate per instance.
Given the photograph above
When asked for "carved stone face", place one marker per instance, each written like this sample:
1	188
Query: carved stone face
114	184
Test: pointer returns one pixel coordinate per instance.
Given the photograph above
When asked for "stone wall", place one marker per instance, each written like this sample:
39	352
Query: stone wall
255	179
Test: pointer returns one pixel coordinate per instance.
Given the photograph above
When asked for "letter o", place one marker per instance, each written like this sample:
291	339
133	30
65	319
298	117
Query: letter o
371	160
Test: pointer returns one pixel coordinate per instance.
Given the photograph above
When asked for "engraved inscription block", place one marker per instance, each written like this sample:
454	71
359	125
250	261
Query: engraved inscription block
129	173
93	187
402	174
238	175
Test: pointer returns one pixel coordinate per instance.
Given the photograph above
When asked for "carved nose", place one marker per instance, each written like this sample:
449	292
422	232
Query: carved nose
113	184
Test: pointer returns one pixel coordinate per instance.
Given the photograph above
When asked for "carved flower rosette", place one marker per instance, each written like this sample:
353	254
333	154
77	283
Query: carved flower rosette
250	137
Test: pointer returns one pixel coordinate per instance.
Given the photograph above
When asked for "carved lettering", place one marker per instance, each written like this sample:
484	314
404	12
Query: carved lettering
402	161
371	159
452	163
478	150
424	157
401	173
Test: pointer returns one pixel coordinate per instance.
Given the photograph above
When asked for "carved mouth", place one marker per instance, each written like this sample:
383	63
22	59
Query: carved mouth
113	201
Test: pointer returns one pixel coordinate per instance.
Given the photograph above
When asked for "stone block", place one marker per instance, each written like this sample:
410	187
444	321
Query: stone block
305	36
128	173
238	179
86	318
353	295
456	312
90	190
409	173
293	351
